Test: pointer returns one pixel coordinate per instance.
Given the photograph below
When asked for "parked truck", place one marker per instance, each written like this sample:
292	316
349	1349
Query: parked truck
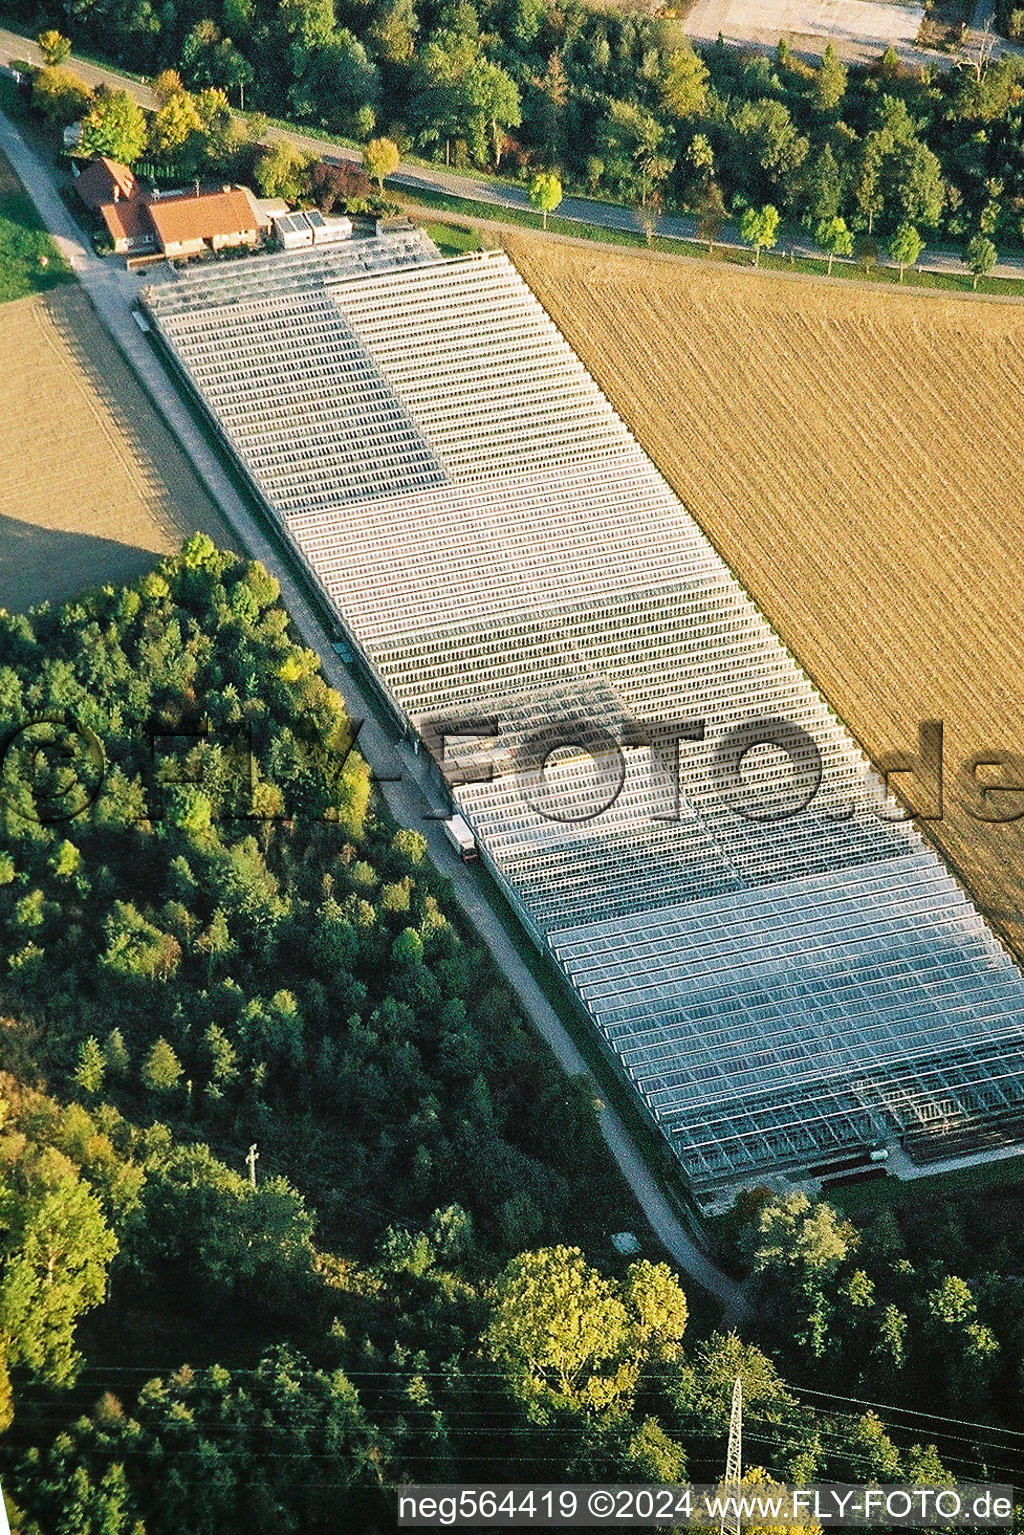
461	838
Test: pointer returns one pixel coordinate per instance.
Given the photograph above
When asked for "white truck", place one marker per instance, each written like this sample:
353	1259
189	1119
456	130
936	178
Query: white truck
461	838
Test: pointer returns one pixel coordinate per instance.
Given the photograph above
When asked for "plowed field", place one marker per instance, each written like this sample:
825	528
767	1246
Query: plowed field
858	459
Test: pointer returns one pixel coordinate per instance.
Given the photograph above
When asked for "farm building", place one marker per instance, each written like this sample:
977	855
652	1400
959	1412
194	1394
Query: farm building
106	181
220	220
176	225
788	978
129	225
293	231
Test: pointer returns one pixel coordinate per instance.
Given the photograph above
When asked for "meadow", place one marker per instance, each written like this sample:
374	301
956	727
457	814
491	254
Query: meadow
29	260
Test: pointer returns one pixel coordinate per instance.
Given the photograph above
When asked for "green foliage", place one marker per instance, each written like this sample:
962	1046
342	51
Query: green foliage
282	171
55	48
222	1053
137	948
632	143
905	247
652	1457
60	95
605	100
115	126
204	1227
112	1467
560	1331
407	948
65	859
91	1067
462	95
115	1054
161	1070
759	227
683	87
392	31
173	126
304	982
300	980
545	193
657	1307
381	157
981	256
568	1338
412	845
834	238
209	59
55	1249
830	81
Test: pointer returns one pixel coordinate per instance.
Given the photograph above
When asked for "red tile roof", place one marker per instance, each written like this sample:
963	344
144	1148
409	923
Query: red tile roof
104	181
128	220
183	220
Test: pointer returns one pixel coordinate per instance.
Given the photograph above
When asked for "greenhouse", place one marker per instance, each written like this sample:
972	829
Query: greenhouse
789	979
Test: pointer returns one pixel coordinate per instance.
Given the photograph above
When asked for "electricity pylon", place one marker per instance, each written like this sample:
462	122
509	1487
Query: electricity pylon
730	1524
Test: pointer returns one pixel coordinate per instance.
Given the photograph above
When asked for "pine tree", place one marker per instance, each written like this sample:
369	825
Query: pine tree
161	1070
115	1052
830	81
91	1066
223	1056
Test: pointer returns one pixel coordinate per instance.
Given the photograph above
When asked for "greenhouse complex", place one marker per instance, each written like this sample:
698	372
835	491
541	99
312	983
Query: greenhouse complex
789	980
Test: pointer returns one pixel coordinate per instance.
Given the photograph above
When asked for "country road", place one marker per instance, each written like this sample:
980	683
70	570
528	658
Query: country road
113	293
490	192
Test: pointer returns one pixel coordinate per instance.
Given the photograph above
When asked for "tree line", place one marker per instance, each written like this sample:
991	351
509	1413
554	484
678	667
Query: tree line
620	106
224	943
917	1300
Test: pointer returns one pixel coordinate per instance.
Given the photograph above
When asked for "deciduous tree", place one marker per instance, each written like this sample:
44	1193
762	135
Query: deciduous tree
683	87
380	159
905	247
981	257
834	238
759	228
61	96
114	125
545	193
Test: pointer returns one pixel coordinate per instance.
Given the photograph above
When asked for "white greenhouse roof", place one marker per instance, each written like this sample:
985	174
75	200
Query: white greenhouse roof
780	991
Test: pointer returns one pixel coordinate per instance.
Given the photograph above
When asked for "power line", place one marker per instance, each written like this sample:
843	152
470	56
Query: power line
911	1411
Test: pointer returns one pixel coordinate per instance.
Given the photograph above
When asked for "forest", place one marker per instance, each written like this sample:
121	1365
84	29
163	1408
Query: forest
620	105
295	1206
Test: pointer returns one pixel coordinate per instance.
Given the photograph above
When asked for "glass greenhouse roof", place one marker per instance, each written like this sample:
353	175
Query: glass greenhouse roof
781	969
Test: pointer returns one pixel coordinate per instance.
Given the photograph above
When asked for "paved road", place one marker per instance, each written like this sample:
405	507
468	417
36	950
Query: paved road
113	292
489	192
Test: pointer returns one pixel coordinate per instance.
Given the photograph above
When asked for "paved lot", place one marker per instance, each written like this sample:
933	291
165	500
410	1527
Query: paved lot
855	26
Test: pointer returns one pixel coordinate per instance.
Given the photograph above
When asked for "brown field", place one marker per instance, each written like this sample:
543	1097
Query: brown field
92	485
858	459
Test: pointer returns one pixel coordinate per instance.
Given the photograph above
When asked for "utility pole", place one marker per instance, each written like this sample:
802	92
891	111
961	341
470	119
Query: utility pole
250	1163
730	1524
